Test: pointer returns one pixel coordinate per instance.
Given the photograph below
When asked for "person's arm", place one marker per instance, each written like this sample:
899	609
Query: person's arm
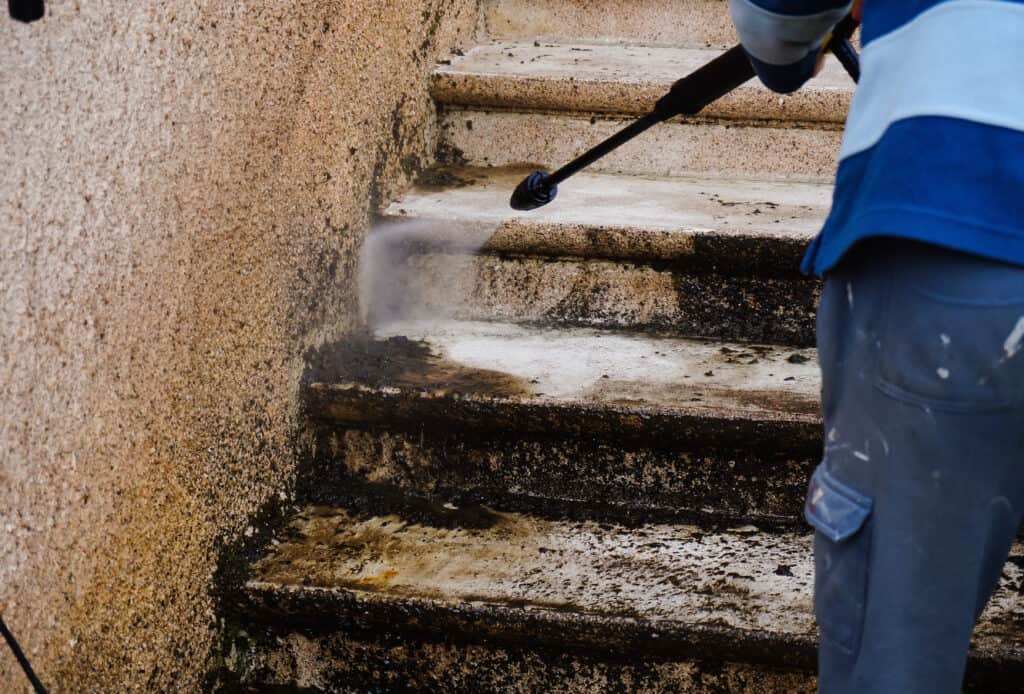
782	38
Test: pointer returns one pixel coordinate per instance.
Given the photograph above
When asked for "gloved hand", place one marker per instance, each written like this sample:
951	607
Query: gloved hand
784	38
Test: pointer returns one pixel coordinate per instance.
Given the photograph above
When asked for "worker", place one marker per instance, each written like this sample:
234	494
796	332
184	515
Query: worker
920	492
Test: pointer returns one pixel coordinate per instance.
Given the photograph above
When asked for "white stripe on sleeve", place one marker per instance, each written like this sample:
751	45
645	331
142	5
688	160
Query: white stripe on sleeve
961	59
781	39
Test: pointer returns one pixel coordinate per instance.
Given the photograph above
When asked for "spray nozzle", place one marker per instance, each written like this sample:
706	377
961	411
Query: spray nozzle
534	191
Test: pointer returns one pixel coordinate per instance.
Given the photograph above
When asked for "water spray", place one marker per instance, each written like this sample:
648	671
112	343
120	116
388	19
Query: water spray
687	97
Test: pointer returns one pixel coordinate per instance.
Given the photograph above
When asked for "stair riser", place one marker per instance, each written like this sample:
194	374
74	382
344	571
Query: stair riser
563	627
340	663
568	477
604	294
372	653
693	428
676	148
656	22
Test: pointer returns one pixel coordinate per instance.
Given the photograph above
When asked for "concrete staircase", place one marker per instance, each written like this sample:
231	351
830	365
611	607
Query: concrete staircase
571	456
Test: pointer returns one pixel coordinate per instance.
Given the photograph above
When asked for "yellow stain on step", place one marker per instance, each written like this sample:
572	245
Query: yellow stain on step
378	581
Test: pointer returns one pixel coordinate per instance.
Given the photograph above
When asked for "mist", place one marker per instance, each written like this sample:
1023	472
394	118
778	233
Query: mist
406	268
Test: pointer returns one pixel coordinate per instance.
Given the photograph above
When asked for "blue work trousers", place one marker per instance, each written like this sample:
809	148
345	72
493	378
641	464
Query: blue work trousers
921	490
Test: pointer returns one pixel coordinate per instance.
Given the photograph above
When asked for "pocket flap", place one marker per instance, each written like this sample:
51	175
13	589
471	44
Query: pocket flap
834	509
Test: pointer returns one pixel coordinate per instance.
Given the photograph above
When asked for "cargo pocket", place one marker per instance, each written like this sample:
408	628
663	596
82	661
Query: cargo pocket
842	547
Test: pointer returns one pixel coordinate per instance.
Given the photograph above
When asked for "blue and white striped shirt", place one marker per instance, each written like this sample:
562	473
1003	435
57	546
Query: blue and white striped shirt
934	143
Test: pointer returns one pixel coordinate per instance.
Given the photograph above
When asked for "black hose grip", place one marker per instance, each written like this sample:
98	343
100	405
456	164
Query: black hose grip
705	85
690	95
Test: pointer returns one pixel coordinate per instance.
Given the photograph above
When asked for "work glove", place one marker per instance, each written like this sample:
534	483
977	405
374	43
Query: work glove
783	38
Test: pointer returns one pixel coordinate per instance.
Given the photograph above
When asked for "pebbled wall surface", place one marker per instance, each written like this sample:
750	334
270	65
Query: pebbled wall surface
184	186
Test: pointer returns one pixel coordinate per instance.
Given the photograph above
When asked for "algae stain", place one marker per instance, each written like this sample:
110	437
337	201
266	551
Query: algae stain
379	581
404	363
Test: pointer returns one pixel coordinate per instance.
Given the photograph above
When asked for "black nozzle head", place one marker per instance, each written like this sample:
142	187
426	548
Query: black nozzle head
533	192
26	10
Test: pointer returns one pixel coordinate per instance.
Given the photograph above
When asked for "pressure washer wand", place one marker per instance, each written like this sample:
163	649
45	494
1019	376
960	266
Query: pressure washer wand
687	97
19	655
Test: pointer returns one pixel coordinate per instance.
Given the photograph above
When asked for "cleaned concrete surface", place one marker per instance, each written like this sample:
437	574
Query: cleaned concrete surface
708	257
647	372
184	186
665	22
652	589
506	381
626	217
624	79
676	148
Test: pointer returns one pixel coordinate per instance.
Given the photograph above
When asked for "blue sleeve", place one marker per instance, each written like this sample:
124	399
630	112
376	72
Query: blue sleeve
782	37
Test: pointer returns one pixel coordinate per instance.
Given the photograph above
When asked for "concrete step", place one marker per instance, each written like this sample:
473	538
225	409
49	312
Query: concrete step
676	595
678	148
705	257
545	117
620	79
656	22
570	420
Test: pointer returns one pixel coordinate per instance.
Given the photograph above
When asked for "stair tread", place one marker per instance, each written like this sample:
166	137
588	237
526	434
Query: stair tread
642	217
659	22
621	79
584	369
604	585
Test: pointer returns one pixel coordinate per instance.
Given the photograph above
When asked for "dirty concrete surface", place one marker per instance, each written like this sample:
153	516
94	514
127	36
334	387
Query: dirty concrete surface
648	590
652	574
556	419
662	478
341	663
714	257
183	188
641	297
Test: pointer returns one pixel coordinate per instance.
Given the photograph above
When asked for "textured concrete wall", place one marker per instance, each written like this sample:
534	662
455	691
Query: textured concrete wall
183	189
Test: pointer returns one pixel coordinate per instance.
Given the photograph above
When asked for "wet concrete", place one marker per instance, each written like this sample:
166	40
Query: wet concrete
441	178
576	478
620	422
371	662
658	592
741	224
400	362
695	257
566	583
607	294
655	373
